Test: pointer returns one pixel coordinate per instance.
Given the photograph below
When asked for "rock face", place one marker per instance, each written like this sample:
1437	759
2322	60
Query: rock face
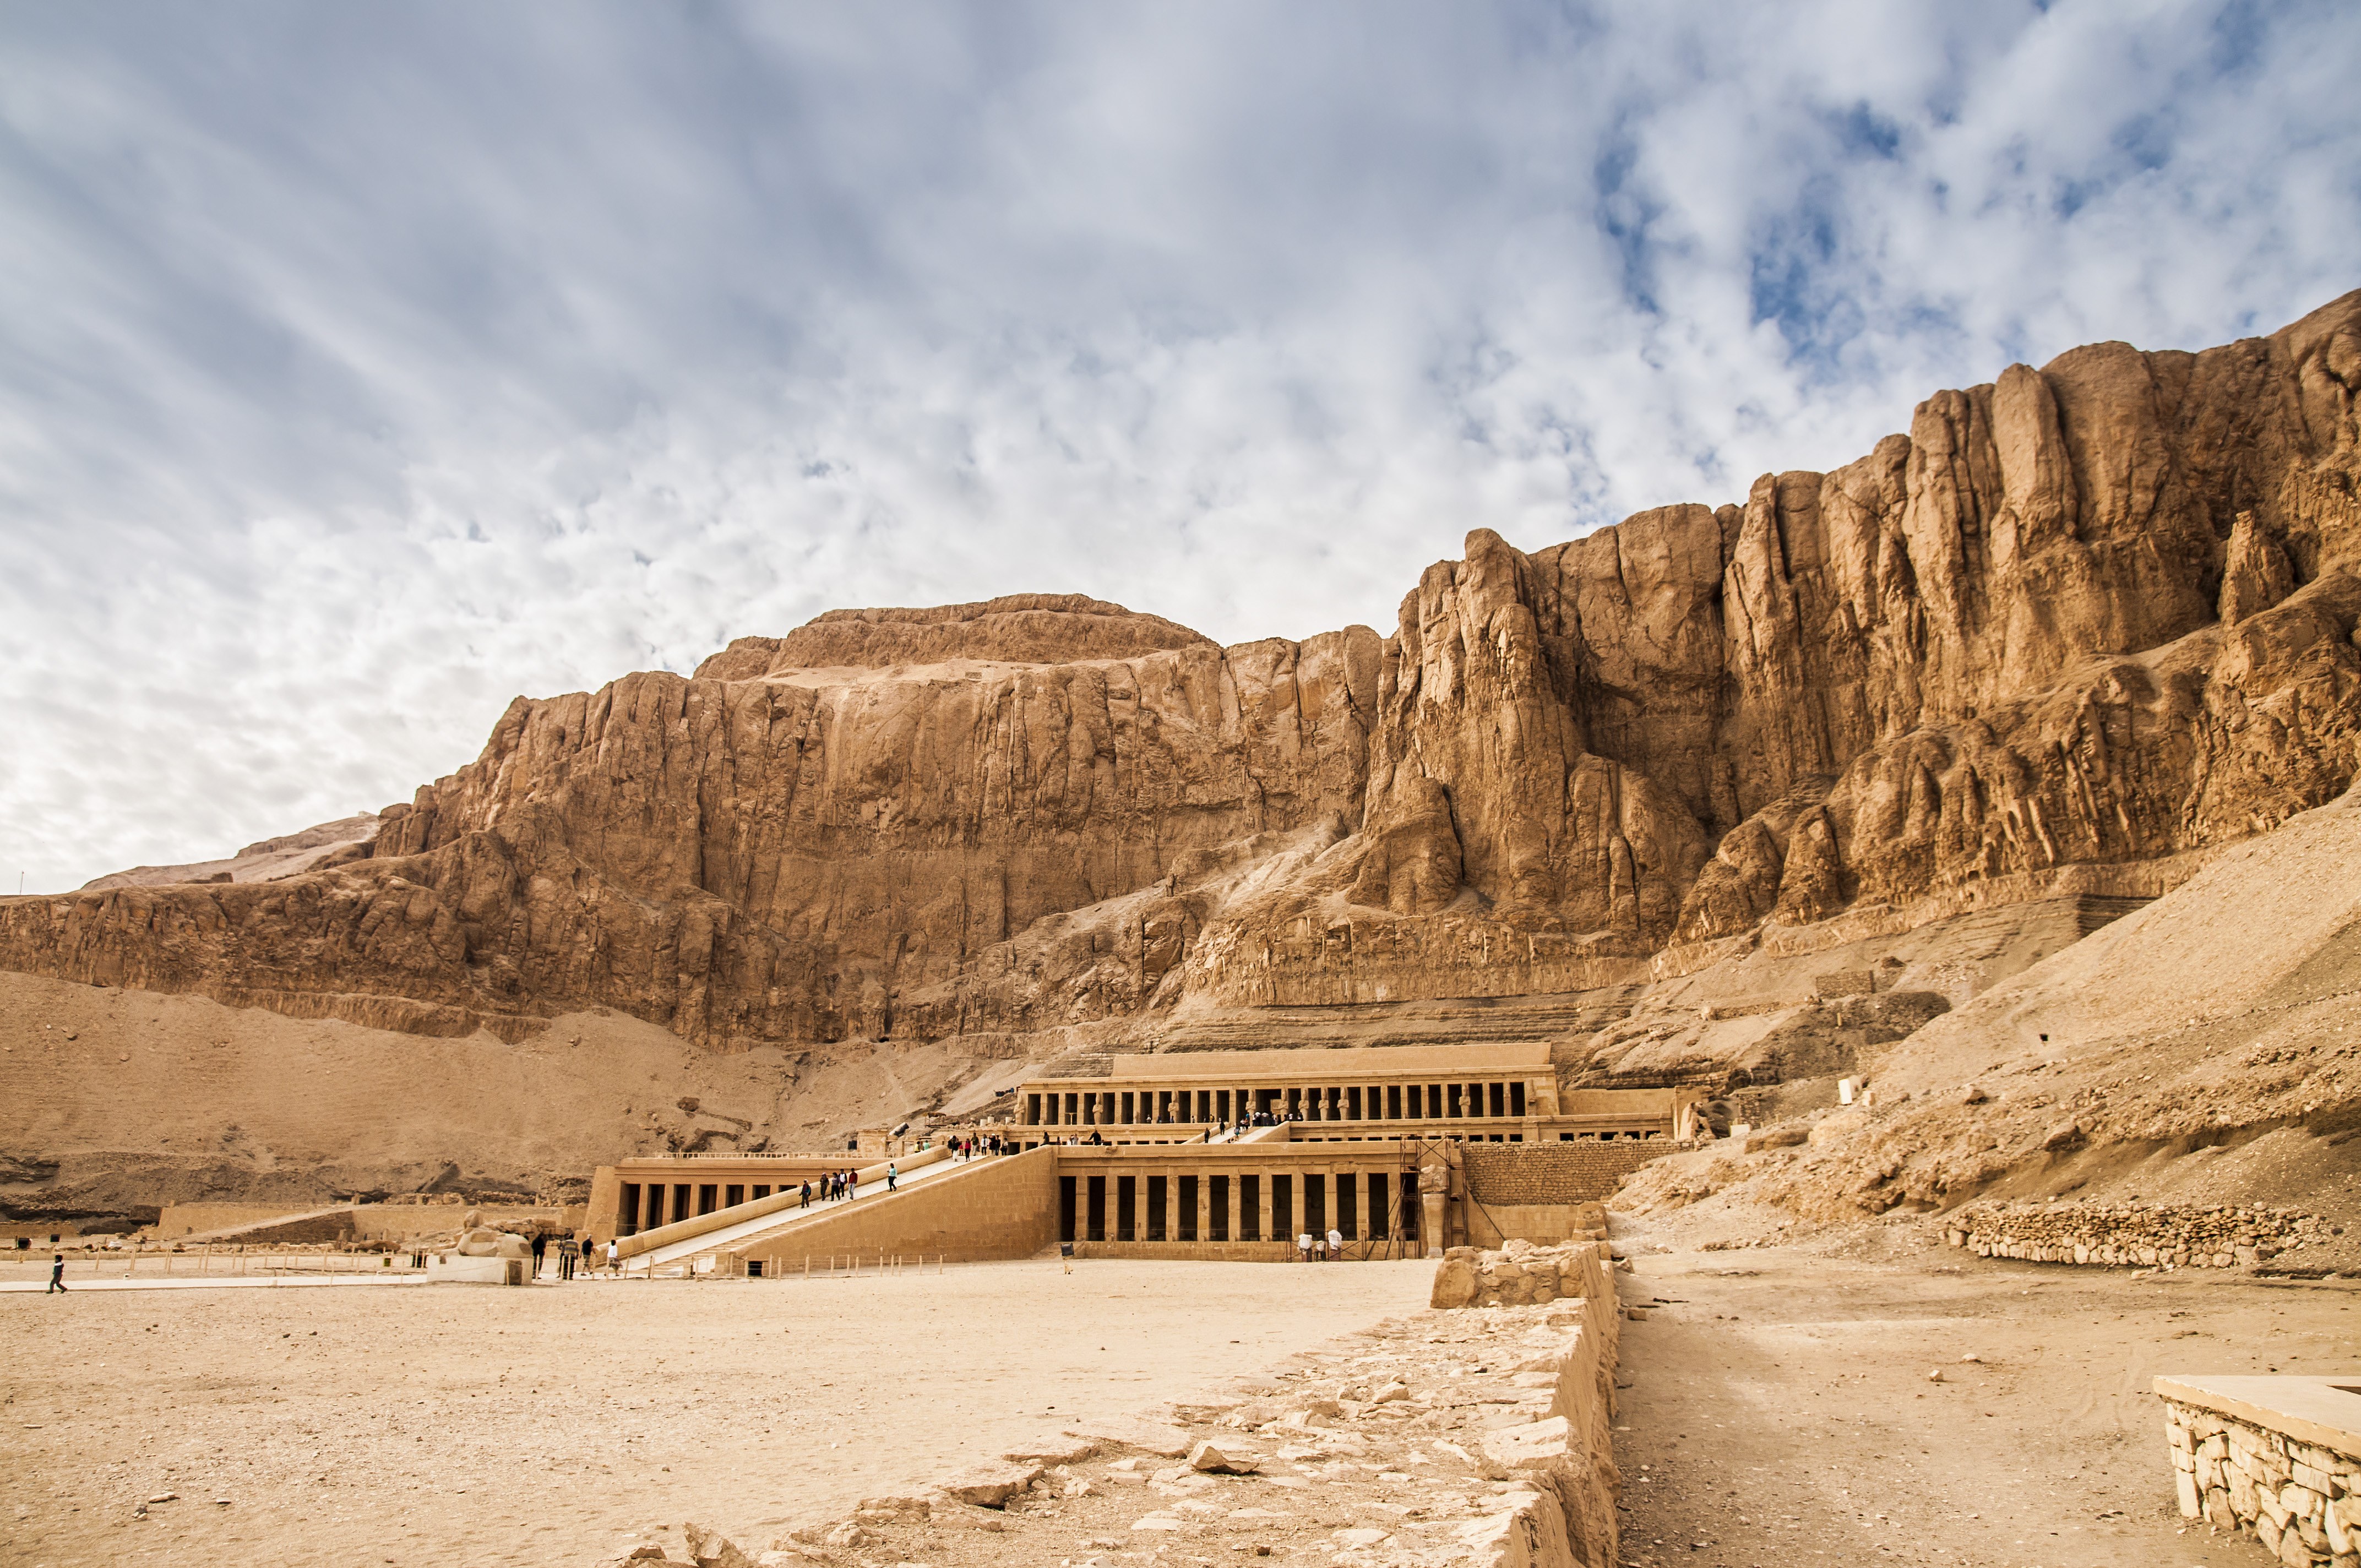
2075	630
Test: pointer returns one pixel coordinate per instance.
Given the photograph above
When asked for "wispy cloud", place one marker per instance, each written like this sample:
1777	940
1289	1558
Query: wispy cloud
361	368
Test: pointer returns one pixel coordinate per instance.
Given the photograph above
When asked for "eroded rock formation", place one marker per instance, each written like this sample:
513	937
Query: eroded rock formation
2075	630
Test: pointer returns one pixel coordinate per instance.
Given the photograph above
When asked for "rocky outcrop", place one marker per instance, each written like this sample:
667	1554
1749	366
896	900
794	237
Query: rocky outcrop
2078	627
329	844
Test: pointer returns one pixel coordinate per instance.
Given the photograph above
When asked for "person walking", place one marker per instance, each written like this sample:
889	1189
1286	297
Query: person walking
614	1259
889	1176
57	1275
806	1202
587	1244
540	1251
1336	1241
852	1185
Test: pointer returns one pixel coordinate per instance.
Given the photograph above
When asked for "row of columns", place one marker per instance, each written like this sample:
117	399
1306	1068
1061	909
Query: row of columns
645	1205
1238	1205
1351	1103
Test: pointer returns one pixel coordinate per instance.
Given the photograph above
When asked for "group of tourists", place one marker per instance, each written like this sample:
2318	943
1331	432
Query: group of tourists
1314	1247
573	1256
969	1146
837	1186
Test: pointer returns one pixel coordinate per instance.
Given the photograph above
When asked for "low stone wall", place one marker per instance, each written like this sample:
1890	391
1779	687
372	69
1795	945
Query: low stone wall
2135	1235
1568	1457
1522	1273
2300	1500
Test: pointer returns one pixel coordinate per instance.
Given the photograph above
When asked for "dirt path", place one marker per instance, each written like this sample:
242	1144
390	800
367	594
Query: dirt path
551	1426
1779	1409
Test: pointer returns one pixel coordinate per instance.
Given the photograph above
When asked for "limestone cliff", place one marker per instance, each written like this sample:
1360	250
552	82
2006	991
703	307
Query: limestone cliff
2076	630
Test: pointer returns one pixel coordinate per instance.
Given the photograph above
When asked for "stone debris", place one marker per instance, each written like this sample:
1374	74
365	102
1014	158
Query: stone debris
1519	1274
991	1486
1215	1460
2146	1235
709	1549
1434	1441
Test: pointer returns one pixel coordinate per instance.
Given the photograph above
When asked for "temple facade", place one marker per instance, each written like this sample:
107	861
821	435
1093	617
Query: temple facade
1391	1152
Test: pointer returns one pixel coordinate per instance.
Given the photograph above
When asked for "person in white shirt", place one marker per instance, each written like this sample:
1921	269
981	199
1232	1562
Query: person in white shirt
1303	1246
1336	1241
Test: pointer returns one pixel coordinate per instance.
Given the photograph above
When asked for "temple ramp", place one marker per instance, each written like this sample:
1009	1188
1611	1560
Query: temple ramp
985	1210
716	1238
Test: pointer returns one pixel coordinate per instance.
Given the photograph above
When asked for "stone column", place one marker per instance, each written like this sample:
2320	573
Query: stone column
1205	1207
1236	1206
1262	1201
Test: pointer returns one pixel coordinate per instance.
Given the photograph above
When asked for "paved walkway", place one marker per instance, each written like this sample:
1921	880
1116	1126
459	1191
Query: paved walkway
218	1282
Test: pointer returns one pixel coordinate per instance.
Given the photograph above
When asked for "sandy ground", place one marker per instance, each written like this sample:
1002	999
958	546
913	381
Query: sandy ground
557	1425
1780	1409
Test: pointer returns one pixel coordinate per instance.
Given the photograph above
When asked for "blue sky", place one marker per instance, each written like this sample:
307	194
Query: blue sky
363	367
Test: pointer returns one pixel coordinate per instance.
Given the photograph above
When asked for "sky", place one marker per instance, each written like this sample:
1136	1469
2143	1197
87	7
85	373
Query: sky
362	368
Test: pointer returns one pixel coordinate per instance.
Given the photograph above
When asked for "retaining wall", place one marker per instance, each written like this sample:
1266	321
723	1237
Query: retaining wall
1579	1172
2248	1455
1568	1457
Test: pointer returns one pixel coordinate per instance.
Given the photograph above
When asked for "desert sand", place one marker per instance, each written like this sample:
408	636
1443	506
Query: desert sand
559	1425
1780	1408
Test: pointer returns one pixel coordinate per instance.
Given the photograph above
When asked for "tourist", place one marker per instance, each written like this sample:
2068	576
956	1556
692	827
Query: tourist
614	1258
587	1244
1336	1241
852	1185
1303	1247
890	1174
540	1251
806	1202
57	1274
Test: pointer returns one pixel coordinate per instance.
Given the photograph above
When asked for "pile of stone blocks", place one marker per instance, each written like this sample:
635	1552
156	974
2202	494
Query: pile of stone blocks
2147	1236
1519	1274
2301	1499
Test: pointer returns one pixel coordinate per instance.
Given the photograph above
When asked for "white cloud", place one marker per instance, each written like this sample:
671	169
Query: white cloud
358	371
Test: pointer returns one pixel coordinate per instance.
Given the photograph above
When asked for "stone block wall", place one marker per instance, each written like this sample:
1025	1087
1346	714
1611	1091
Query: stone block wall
995	1209
1574	1172
2298	1500
1568	1457
2143	1235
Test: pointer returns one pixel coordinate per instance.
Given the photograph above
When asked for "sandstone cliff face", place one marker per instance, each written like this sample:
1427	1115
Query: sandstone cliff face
2084	623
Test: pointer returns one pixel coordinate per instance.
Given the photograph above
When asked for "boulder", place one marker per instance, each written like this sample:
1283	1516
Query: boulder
710	1549
1454	1283
991	1486
1215	1460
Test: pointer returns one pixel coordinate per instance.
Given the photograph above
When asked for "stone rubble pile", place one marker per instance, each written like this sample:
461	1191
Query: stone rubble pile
2145	1234
1522	1273
1469	1439
2302	1502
